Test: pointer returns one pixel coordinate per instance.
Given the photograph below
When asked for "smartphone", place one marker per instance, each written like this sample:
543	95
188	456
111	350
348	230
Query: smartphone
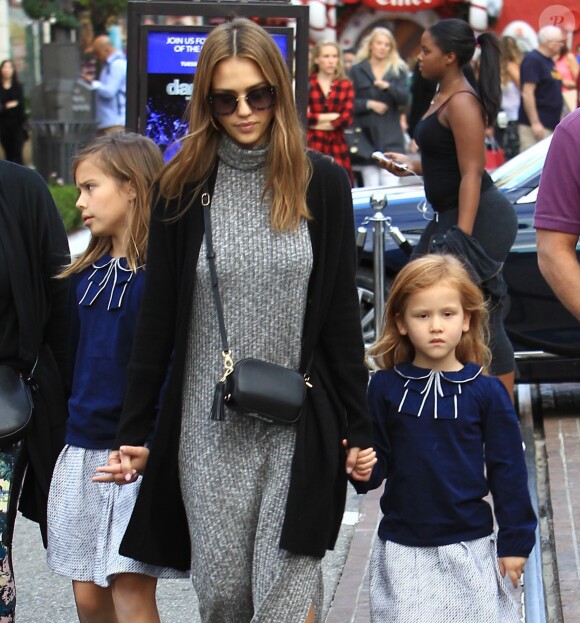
380	157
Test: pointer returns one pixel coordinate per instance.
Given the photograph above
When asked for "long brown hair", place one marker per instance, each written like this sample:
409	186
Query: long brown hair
288	169
420	274
125	157
509	53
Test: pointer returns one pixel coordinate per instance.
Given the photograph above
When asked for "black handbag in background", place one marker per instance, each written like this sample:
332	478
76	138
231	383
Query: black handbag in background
15	406
359	144
251	386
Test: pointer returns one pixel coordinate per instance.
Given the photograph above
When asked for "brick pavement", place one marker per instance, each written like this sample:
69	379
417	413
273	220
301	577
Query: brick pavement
351	599
562	435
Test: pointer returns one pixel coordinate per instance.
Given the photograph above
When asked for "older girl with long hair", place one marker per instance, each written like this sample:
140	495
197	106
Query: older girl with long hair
380	86
445	435
250	505
330	103
86	521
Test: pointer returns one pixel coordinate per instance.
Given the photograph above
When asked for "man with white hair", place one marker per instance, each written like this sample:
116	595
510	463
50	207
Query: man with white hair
542	102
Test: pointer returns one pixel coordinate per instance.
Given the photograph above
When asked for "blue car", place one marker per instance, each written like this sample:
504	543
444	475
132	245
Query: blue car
546	337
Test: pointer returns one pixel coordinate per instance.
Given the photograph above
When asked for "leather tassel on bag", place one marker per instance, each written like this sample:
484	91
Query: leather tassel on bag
217	407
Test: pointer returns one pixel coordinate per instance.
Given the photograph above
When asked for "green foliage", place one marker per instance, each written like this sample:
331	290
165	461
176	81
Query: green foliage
47	9
65	196
102	11
63	11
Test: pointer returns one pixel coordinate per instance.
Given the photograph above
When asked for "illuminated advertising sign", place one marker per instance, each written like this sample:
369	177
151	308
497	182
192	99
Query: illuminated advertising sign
171	54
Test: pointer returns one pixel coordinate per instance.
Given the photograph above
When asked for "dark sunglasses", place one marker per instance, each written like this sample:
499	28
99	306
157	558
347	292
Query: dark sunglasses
261	98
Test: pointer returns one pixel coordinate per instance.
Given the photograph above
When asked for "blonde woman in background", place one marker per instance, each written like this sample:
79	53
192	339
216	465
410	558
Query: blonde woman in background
380	85
330	104
507	124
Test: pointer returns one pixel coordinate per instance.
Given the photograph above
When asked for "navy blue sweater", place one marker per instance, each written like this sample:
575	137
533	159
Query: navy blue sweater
105	300
443	441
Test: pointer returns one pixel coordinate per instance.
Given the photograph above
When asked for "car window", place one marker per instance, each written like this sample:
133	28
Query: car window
531	197
523	169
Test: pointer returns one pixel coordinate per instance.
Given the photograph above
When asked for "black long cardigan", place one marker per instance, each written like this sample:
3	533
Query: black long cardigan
335	407
34	241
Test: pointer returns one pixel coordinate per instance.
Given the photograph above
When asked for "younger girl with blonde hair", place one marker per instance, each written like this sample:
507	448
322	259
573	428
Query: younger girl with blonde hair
86	520
445	434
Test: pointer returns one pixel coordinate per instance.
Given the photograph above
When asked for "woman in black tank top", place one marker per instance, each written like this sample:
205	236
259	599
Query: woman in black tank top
451	139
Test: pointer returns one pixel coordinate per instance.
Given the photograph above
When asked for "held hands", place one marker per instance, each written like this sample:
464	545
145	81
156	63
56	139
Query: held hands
513	566
123	465
359	463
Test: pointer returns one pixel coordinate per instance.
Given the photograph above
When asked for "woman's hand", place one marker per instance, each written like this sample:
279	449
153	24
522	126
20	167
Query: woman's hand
123	465
325	122
401	165
378	107
382	84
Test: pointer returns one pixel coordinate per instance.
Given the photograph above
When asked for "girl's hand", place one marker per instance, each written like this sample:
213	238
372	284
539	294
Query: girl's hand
123	465
359	463
111	472
513	566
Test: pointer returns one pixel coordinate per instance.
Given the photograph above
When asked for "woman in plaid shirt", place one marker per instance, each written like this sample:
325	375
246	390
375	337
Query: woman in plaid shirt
330	104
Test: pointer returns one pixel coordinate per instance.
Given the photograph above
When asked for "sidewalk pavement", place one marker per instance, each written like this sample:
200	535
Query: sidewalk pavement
561	407
351	599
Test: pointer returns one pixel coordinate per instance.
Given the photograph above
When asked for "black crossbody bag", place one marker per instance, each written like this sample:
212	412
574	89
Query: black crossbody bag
251	386
15	404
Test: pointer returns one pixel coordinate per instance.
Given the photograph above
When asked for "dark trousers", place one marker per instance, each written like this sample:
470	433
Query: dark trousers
12	141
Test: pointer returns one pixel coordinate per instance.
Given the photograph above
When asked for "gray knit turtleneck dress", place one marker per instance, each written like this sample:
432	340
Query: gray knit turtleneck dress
235	473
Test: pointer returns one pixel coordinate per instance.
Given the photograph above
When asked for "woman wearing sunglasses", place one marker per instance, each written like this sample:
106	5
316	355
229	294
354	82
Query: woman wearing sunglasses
251	505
